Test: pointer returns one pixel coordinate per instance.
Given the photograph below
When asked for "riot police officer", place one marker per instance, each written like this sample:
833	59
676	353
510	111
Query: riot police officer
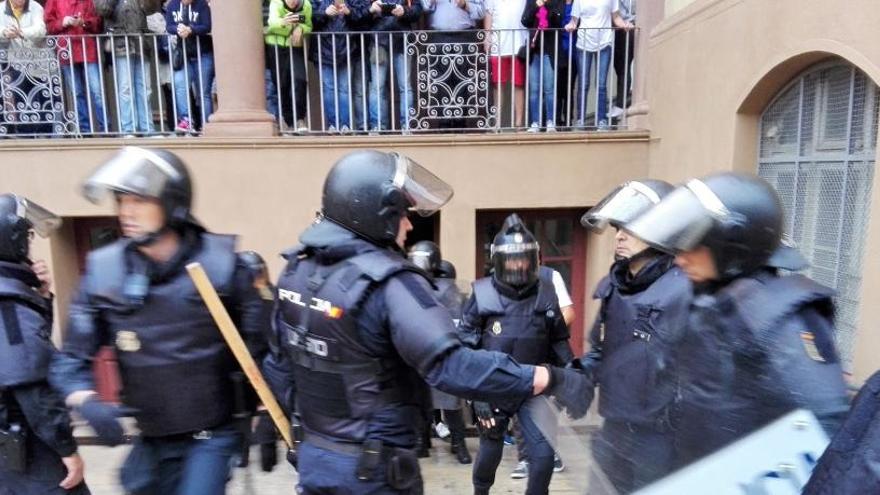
426	255
643	314
178	376
38	454
758	345
363	332
264	433
515	311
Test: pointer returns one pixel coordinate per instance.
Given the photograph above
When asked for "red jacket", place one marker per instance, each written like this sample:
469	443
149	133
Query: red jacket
82	49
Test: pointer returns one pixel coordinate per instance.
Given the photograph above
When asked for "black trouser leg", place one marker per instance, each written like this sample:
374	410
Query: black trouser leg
624	46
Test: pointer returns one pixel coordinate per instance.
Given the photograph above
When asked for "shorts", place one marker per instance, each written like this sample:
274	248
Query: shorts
518	72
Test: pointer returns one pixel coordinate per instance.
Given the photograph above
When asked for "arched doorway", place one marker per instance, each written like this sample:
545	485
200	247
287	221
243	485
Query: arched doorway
817	146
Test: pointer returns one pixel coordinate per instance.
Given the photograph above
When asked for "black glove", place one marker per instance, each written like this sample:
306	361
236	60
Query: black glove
484	410
266	435
103	418
572	389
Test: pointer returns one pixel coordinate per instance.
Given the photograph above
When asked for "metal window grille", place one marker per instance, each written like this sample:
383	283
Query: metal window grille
817	147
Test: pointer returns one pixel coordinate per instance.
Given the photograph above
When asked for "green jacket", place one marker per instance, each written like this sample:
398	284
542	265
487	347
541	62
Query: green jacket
276	33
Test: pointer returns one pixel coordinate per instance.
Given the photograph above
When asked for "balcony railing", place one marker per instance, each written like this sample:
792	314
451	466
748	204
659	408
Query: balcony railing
350	83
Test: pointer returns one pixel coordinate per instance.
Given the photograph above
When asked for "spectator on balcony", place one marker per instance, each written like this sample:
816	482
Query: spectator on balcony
338	56
624	48
566	70
74	21
289	21
25	75
387	52
126	20
593	21
453	22
540	16
192	58
503	20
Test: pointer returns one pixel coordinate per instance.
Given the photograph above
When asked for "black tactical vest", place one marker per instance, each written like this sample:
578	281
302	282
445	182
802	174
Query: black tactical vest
519	328
748	358
339	382
173	361
25	332
637	375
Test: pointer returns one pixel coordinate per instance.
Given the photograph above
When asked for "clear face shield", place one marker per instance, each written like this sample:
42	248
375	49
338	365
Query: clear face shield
620	207
42	220
681	220
133	170
421	259
425	192
516	264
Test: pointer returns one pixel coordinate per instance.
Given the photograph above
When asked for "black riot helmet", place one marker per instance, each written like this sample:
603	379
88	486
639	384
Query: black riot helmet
737	216
368	191
446	269
626	202
151	173
515	254
254	263
18	216
425	255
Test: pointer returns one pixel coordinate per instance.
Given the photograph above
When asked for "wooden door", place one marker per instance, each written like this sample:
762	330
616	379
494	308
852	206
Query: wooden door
90	233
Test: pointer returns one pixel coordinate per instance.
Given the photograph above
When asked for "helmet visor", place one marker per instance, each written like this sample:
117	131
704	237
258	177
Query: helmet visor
421	259
42	220
516	268
133	170
425	191
680	221
620	207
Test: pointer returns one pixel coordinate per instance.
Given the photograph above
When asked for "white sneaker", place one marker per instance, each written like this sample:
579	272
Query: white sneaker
615	112
551	126
535	127
442	430
520	471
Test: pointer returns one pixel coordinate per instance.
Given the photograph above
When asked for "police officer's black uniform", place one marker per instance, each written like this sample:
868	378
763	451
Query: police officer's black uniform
849	464
426	255
515	311
758	345
35	432
363	331
641	319
178	375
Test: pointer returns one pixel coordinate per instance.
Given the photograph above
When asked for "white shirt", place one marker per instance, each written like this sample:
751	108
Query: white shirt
561	290
594	14
506	16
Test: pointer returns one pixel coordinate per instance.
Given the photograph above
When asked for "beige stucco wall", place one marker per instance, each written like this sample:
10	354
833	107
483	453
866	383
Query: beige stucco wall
268	190
715	65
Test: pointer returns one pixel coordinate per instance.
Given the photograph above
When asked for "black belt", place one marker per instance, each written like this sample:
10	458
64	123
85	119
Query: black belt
348	448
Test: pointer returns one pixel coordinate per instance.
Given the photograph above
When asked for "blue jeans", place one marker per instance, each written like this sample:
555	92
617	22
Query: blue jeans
133	92
379	98
182	465
199	74
84	81
323	472
538	450
542	79
334	94
271	95
583	60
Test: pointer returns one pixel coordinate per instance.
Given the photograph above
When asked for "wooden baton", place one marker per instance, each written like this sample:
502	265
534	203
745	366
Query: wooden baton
239	350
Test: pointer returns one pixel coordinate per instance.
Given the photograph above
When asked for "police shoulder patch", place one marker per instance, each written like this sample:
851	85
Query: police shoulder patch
809	341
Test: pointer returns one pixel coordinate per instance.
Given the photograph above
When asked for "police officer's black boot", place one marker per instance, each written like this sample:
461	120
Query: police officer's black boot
423	440
456	431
